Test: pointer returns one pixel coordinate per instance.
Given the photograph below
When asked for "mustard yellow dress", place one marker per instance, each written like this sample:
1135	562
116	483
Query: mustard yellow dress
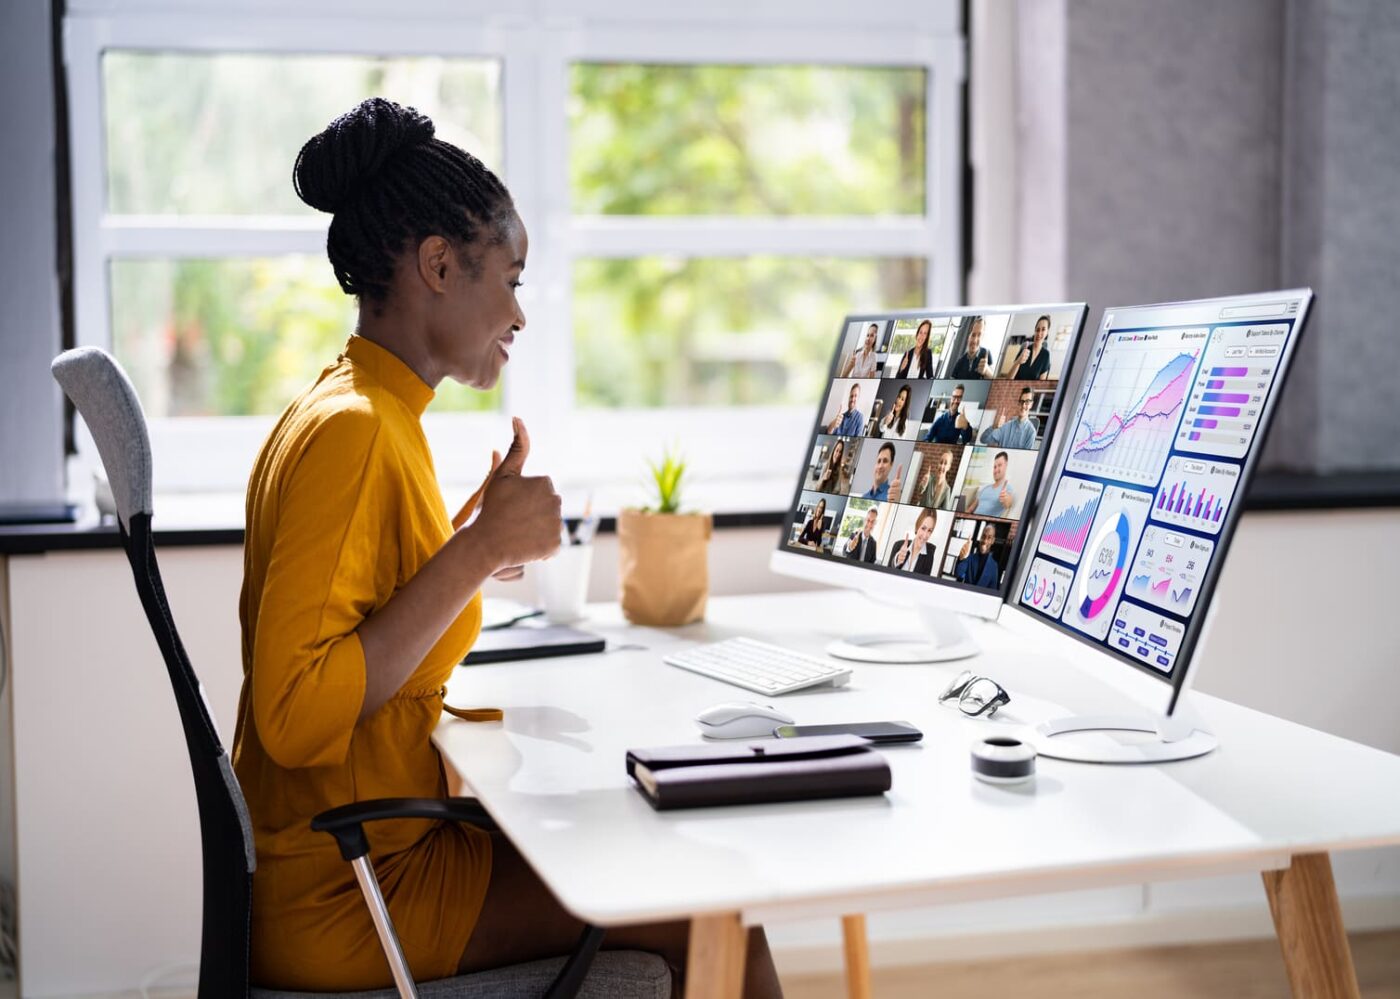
343	509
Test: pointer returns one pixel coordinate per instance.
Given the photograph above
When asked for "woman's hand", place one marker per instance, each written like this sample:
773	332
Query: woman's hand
519	520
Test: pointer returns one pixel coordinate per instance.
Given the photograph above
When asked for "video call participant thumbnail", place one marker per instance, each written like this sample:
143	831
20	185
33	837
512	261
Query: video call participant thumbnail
995	482
1015	428
1033	360
816	517
833	461
848	407
900	402
917	361
862	544
934	484
953	414
916	551
881	471
975	362
864	360
981	557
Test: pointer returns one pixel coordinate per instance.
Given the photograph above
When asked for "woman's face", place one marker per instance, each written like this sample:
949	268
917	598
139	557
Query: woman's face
474	322
870	339
921	336
900	401
820	511
837	452
924	530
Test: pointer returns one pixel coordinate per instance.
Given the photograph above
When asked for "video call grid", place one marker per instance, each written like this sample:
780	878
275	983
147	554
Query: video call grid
957	453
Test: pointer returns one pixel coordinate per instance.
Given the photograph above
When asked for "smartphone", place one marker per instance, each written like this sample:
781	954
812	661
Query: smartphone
897	731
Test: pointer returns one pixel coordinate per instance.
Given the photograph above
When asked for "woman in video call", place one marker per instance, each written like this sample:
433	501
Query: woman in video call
894	423
919	351
833	472
917	553
811	535
934	488
861	363
361	595
1033	362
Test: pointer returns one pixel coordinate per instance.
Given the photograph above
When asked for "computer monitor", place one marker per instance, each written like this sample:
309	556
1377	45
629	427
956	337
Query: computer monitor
1148	481
924	460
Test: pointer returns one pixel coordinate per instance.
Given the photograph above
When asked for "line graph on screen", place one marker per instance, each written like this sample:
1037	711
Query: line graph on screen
1130	417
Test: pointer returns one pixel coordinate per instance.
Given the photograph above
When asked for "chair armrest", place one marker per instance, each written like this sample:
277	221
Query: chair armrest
346	823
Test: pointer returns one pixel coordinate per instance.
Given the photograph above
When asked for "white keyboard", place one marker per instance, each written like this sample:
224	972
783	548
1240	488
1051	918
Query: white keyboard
758	666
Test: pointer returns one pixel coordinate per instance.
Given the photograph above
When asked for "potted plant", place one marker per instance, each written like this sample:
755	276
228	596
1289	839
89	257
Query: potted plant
664	573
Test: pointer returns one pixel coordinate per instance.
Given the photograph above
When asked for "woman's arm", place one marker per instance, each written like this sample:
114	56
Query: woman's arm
519	523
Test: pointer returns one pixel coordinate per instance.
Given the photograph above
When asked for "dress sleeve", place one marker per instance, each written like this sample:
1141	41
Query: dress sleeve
308	676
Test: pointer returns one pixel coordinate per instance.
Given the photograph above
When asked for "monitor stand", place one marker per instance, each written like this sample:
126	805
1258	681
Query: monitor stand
1178	738
944	637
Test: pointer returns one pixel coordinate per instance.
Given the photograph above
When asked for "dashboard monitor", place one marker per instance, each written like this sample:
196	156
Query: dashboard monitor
1150	474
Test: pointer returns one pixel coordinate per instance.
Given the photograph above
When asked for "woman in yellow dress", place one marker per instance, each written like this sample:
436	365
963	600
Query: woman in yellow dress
360	595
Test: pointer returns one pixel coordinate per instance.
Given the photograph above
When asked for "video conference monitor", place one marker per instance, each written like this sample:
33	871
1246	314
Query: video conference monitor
926	451
1152	464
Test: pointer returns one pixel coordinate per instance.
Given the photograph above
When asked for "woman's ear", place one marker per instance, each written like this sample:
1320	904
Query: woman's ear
433	261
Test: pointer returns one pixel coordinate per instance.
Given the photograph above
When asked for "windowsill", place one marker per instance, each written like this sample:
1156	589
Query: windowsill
217	518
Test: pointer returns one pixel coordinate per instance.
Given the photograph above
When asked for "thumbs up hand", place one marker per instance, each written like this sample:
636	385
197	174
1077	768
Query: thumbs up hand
519	513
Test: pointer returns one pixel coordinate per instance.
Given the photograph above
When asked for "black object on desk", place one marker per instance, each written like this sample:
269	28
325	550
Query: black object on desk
801	769
531	641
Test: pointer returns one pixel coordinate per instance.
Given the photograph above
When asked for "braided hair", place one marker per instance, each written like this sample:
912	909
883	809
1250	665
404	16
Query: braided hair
389	184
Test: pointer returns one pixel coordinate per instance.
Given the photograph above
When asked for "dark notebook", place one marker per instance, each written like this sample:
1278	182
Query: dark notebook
809	767
531	641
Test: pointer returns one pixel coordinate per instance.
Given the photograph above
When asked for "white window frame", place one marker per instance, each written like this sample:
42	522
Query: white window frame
585	449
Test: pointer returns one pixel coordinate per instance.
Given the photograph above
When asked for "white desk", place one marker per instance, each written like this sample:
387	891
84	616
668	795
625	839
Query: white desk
552	776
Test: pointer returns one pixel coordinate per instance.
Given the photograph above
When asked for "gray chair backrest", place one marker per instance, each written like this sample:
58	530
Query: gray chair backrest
109	406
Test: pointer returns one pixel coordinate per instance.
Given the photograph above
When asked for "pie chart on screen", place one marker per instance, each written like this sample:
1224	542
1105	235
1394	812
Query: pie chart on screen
1101	575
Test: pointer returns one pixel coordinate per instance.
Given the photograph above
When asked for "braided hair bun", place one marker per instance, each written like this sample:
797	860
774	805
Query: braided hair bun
333	165
390	182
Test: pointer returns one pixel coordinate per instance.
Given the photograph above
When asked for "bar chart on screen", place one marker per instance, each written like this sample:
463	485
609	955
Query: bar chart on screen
1223	411
1196	493
1134	405
1067	523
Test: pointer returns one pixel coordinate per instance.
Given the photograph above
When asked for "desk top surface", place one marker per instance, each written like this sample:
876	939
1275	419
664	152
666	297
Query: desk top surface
552	774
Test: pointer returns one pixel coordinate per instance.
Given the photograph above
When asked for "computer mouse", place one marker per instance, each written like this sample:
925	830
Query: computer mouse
740	720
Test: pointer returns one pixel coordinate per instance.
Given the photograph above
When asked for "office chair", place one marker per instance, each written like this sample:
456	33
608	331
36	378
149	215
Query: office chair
108	404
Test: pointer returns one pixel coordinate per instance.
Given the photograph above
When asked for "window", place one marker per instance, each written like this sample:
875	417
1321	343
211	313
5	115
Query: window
705	202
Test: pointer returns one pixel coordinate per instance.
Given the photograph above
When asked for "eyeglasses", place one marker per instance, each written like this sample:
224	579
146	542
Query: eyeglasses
977	696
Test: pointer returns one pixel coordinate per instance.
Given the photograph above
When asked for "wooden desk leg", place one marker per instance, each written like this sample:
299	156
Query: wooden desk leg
1308	919
715	967
857	957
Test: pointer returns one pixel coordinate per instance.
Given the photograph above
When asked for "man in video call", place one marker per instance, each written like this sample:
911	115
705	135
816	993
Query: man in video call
977	362
1017	431
849	423
862	544
884	486
952	427
996	499
979	567
917	554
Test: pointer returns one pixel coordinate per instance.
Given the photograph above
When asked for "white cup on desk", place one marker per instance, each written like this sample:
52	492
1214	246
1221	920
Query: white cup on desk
563	583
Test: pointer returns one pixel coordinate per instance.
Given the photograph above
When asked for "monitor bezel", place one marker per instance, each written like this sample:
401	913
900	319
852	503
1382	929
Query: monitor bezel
982	603
1162	692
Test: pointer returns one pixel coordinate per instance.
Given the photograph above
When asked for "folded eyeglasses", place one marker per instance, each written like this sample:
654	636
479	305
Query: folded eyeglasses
977	696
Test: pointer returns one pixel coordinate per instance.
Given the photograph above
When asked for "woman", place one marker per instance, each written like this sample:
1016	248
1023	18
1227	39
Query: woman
863	363
934	489
360	595
833	472
921	350
917	553
1034	359
811	535
899	413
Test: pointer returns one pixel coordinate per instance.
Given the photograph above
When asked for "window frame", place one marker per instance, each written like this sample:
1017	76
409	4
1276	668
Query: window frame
535	53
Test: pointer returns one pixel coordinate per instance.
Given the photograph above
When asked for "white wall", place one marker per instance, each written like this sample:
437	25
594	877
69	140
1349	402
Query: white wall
96	733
